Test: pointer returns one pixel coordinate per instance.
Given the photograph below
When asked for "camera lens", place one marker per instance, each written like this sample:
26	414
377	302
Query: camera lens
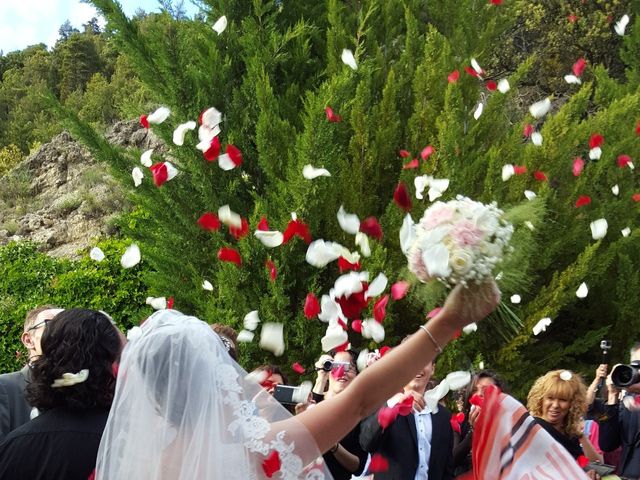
326	366
625	375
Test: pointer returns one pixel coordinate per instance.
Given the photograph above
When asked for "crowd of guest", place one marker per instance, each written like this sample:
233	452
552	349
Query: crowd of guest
53	413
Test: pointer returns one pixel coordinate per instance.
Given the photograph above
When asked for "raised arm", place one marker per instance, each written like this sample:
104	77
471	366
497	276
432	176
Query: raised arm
328	422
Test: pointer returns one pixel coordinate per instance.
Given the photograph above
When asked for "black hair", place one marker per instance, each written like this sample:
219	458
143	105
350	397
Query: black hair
74	340
498	382
354	355
273	369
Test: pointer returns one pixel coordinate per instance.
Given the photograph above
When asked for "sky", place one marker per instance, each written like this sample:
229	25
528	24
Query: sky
28	22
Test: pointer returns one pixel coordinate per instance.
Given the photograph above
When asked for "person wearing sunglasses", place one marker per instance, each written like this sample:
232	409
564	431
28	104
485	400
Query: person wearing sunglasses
14	408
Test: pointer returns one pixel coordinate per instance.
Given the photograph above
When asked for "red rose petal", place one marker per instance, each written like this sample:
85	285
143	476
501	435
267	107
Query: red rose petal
296	367
434	312
227	254
356	326
491	85
405	406
353	305
412	164
336	373
638	128
345	265
471	72
519	169
457	334
311	306
527	130
427	152
380	309
160	173
455	425
263	225
401	197
636	197
623	160
271	464
378	463
399	290
540	176
583	461
454	76
386	416
211	154
384	350
572	18
476	400
234	154
579	67
170	303
332	117
209	221
273	271
296	228
343	324
595	140
583	200
143	121
495	2
93	475
578	166
404	153
241	232
371	227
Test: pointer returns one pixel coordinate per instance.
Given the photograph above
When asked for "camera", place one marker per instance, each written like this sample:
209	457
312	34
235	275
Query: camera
625	375
327	365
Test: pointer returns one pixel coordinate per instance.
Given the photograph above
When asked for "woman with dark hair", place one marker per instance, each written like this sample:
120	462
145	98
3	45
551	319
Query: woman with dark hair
462	440
73	384
270	376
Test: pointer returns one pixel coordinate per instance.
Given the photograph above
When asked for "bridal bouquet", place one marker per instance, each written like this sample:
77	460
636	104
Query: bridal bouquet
458	242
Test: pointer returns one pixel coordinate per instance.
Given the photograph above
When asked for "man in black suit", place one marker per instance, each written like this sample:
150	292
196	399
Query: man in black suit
14	408
417	446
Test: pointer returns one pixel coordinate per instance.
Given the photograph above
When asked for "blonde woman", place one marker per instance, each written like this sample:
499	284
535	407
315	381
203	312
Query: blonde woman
558	401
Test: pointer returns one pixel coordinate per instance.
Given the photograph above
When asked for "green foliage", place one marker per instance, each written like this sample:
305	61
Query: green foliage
29	278
10	156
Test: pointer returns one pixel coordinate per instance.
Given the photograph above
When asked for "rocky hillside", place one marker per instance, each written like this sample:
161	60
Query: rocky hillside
61	198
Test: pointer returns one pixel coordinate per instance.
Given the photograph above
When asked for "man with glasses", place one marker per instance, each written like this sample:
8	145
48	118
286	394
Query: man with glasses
14	408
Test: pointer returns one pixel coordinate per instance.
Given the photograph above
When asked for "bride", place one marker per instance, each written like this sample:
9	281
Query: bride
184	410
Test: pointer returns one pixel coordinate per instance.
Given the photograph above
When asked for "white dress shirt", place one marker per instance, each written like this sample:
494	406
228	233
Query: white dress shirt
424	431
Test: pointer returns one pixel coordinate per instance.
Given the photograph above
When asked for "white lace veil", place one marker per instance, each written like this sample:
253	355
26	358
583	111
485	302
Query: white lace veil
184	410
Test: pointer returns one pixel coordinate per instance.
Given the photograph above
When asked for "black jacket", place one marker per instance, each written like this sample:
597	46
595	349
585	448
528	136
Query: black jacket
14	408
398	444
619	426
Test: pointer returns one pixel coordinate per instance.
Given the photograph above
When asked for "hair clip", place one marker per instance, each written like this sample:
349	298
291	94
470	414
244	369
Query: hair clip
566	375
69	379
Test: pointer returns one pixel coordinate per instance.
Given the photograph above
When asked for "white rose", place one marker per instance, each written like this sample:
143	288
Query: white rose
461	261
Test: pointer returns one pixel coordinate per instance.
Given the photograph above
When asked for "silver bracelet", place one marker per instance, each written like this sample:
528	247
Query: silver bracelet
438	347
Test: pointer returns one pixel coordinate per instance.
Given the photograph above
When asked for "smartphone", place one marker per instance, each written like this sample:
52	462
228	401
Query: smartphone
285	394
600	468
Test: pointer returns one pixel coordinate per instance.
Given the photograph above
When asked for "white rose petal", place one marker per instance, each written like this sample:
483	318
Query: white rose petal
206	285
407	233
436	259
595	153
363	356
572	79
582	291
437	187
251	320
536	139
157	303
541	108
478	111
566	375
348	59
507	172
302	392
96	254
362	242
137	176
245	336
471	328
225	162
458	380
529	225
211	117
346	285
503	86
145	158
530	195
321	253
621	25
599	228
272	338
349	222
374	330
625	231
310	172
220	25
131	256
420	183
181	130
229	217
171	171
269	239
334	337
377	286
330	310
615	190
159	116
476	66
134	333
541	326
515	299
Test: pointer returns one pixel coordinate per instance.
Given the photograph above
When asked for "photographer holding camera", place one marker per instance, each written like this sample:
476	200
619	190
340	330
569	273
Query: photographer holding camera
620	424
